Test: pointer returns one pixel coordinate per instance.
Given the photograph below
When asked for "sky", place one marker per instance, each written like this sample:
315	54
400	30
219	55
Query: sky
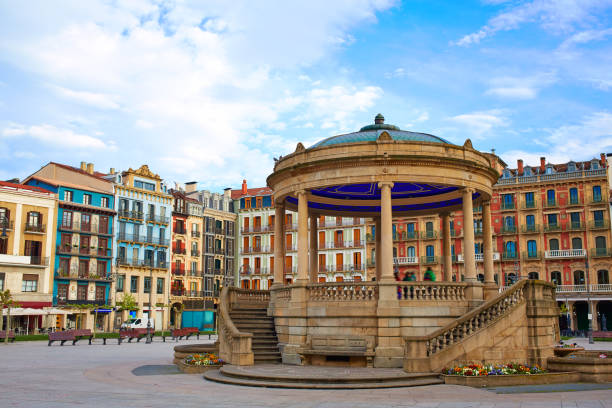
211	91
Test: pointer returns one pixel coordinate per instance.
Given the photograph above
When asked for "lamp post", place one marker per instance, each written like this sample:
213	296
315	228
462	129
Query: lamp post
149	336
589	310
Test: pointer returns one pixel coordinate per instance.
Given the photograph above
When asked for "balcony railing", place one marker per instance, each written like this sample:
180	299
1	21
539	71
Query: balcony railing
404	235
509	256
429	234
430	260
601	252
219	251
195	252
530	228
597	200
86	228
599	224
508	205
552	177
178	271
478	257
158	219
508	229
6	224
60	273
532	255
179	230
341	244
135	215
35	228
370	238
574	201
142	263
196	234
143	238
179	250
341	268
478	232
177	292
552	228
454	232
83	251
565	253
551	203
62	301
405	260
528	205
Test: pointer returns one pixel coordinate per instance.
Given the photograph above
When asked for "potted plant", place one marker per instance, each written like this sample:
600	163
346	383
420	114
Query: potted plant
199	363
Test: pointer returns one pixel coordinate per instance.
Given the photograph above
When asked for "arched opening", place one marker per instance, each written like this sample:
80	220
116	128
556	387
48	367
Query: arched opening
553	244
555	277
533	275
581	316
604	314
576	243
578	278
480	277
510	278
602	277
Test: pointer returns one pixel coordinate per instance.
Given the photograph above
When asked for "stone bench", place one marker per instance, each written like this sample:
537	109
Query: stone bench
338	350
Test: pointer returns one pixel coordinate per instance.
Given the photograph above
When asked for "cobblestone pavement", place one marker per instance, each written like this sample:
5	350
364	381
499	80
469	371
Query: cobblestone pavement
34	375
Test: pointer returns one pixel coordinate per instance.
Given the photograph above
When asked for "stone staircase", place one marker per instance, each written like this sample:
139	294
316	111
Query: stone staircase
264	343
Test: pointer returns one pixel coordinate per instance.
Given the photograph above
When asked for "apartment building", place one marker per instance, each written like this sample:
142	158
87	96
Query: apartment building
83	241
142	242
340	240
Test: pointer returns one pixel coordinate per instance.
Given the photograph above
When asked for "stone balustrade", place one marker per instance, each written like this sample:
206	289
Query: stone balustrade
431	291
342	291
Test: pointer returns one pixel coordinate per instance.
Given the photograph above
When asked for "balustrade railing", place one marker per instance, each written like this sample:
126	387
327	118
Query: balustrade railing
431	291
343	291
565	253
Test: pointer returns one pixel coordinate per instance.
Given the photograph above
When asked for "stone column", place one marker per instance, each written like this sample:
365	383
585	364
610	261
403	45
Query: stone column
594	304
469	257
279	244
377	236
487	238
386	239
302	271
446	247
314	249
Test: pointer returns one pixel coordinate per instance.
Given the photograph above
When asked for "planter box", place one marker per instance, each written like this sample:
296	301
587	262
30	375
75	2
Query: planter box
564	351
191	369
511	379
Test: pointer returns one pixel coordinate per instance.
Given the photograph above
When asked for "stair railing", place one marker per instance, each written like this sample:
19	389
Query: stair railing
419	347
234	345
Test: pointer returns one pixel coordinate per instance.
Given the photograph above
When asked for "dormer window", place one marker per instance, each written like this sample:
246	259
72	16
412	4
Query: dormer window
506	174
527	171
594	165
549	170
571	167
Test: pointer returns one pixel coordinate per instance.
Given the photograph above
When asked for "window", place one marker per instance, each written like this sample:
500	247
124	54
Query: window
67	195
533	275
507	201
100	293
124	205
575	220
598	218
29	282
530	221
552	220
555	277
134	284
429	251
144	185
553	244
1	280
571	166
510	249
87	199
600	242
103	225
120	283
147	284
160	286
576	243
5	215
67	219
104	202
573	193
101	268
594	165
85	222
550	197
549	170
82	292
529	200
596	193
34	219
578	278
602	277
527	171
532	249
410	252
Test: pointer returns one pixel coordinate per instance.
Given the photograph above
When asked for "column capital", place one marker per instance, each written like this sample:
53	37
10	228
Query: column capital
280	203
445	214
470	190
382	184
486	202
301	192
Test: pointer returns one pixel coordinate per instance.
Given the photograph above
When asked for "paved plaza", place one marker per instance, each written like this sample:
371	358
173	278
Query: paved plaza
140	375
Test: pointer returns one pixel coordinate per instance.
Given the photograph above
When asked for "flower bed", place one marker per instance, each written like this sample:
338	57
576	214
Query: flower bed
499	375
563	349
199	363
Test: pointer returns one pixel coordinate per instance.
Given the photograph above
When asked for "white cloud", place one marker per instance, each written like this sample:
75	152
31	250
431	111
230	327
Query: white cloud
98	100
586	36
570	142
479	123
52	135
557	16
519	88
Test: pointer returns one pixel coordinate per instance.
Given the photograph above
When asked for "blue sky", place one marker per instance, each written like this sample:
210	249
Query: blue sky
212	91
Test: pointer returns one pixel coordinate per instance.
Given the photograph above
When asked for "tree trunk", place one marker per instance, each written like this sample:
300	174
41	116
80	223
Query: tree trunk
8	325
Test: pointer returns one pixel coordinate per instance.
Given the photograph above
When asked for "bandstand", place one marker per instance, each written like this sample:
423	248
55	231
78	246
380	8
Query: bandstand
381	172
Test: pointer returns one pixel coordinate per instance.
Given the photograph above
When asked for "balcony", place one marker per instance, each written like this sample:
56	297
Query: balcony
530	229
405	260
62	301
142	263
23	260
196	234
601	252
195	252
574	201
6	224
260	271
430	260
565	253
508	229
454	232
83	251
582	289
599	224
341	244
177	292
477	232
529	205
219	251
478	257
178	271
551	203
597	200
508	206
179	251
510	256
404	236
158	219
429	234
86	228
552	228
532	256
76	275
36	228
370	238
194	293
575	226
134	215
341	268
194	273
179	230
600	173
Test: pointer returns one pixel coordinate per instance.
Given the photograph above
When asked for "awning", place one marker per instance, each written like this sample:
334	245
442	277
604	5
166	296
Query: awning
28	311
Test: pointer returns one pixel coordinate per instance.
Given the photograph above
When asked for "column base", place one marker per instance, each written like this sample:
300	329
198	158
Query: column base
290	354
475	294
491	290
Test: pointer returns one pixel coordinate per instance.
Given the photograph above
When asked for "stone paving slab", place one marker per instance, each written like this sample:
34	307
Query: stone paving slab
34	375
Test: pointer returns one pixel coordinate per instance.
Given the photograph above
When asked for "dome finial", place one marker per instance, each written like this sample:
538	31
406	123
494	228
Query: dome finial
379	119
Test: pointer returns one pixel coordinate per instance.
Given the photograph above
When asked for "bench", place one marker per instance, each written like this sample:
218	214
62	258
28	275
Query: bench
11	335
208	329
186	332
130	334
83	334
605	334
62	337
337	350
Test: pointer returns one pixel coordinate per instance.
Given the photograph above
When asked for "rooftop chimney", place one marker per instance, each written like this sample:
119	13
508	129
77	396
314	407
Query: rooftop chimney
90	168
112	170
603	159
227	192
191	186
83	166
244	187
519	164
542	164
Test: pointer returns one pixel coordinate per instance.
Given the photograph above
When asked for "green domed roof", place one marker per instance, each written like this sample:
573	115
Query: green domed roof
371	133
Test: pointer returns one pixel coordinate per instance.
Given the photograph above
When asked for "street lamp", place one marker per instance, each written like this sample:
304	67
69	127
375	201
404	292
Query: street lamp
589	310
149	336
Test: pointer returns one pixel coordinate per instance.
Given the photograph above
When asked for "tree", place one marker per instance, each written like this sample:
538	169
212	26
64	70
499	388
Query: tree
128	302
6	300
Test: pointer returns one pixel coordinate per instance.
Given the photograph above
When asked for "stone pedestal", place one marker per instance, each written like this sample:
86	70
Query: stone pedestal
390	348
490	290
